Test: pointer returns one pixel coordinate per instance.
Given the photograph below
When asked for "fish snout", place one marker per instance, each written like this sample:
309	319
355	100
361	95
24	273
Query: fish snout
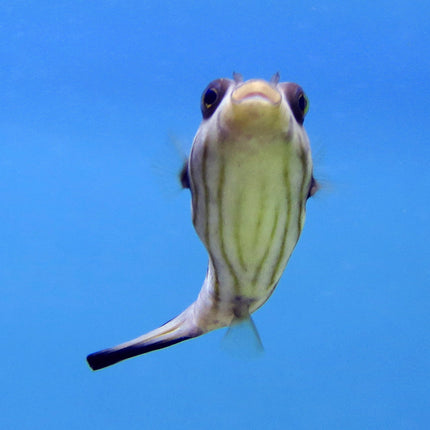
254	107
256	89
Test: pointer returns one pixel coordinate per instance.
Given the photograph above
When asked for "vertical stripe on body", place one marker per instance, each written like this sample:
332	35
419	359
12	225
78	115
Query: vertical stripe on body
250	223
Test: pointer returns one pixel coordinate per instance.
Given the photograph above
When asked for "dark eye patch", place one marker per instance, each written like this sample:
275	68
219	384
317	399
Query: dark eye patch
212	96
297	100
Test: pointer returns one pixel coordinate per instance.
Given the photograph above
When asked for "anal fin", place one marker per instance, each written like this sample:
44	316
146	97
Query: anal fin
242	339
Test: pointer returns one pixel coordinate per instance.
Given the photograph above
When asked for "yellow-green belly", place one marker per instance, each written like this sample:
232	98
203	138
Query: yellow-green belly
248	209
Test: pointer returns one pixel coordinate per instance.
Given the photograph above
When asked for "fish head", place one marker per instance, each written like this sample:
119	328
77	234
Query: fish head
244	116
255	107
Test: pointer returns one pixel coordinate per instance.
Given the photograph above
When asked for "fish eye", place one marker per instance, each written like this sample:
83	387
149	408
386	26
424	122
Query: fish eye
297	99
303	103
212	96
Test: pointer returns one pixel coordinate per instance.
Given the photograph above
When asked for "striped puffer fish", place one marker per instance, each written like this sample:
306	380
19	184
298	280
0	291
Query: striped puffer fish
250	175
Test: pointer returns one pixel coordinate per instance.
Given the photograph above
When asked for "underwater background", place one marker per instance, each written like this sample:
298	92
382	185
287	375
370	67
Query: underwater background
96	240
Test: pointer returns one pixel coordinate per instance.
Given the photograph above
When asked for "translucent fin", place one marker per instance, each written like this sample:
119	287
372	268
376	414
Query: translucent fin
237	77
275	78
169	167
242	339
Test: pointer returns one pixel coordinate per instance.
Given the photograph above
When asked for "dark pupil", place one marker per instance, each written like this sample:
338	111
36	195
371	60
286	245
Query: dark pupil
210	97
302	102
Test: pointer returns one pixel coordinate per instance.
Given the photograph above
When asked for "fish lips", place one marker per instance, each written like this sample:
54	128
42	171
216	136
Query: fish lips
255	107
256	89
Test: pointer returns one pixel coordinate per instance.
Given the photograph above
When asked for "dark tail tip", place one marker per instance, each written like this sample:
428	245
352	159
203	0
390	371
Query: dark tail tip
108	357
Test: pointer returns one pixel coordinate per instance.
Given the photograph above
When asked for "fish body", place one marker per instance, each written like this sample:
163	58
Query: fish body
250	174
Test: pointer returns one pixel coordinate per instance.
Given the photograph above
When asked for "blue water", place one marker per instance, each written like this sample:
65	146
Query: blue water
95	251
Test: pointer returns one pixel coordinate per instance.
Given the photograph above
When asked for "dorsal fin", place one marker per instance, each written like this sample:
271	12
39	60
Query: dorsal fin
237	77
275	78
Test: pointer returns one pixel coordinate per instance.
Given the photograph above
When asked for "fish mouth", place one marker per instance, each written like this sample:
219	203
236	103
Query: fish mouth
256	89
254	108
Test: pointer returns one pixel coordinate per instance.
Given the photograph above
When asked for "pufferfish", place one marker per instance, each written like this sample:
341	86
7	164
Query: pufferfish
250	174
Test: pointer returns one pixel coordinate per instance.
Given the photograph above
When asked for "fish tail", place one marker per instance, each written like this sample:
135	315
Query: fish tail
174	331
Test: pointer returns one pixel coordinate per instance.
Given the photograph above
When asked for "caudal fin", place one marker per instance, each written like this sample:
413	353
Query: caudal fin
174	331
